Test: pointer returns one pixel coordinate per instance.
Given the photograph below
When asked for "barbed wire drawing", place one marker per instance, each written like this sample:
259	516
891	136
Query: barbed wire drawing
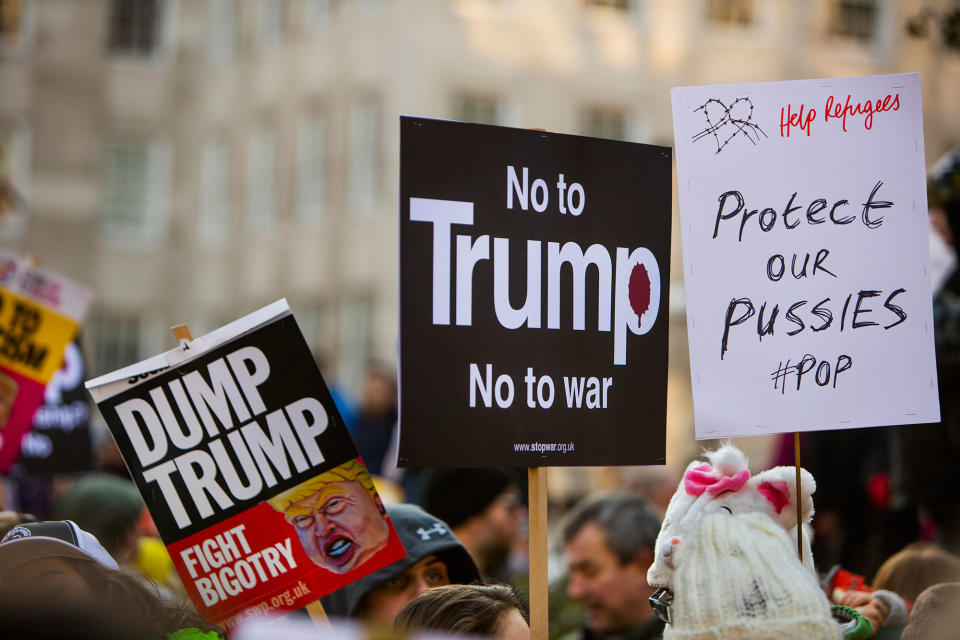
734	120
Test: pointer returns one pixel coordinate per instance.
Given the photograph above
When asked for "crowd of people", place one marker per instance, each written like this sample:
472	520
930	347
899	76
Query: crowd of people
714	560
633	566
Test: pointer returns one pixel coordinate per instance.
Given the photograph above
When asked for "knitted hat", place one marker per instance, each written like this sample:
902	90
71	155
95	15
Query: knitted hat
105	505
738	576
724	483
422	535
456	495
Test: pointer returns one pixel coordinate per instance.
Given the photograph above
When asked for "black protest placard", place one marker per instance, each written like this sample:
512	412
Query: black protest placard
248	469
60	439
191	433
534	274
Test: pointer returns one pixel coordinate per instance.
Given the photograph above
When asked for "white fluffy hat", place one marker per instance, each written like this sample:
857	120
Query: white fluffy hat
724	483
738	576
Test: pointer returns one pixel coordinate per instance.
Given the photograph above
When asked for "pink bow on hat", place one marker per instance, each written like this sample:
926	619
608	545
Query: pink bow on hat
707	479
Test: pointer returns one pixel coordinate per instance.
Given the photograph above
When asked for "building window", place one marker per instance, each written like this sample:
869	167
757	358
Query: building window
318	13
135	26
620	5
118	343
273	21
364	168
479	108
730	12
213	227
261	178
311	168
355	345
14	180
136	191
125	191
223	31
311	318
604	122
369	6
855	19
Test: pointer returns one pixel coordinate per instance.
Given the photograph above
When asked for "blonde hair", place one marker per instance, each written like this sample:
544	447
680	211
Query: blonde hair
914	568
346	472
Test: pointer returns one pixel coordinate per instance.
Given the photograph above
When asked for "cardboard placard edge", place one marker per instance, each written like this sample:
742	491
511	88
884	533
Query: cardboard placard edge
104	387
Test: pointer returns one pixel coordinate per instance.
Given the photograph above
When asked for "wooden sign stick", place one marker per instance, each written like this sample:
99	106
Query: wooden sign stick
537	549
798	492
182	334
317	615
537	488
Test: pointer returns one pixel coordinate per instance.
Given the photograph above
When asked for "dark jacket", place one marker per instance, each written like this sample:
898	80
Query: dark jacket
650	630
422	535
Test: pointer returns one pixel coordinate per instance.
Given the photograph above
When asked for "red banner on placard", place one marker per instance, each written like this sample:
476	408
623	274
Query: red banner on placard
254	563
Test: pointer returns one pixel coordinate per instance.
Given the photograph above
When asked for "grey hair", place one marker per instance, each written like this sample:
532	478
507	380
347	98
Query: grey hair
629	524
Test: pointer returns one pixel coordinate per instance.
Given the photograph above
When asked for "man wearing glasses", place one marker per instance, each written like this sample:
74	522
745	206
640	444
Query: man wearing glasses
608	544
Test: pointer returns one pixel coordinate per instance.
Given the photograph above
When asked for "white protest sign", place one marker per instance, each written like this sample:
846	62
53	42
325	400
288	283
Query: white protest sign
805	245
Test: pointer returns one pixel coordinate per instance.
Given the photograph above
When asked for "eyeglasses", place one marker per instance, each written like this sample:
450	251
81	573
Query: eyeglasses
661	600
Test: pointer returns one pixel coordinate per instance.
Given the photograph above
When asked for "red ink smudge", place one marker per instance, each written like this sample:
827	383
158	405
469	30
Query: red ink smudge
639	290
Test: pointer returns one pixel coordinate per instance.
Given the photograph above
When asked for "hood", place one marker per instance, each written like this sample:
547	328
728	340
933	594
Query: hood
422	535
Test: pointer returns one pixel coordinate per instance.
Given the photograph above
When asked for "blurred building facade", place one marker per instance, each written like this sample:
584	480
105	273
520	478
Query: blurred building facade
193	160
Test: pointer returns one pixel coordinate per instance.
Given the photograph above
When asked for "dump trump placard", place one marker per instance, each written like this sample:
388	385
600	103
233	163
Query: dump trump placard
804	220
534	271
247	468
40	313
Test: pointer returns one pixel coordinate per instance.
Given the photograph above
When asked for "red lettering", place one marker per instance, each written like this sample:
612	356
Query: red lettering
789	118
868	108
846	110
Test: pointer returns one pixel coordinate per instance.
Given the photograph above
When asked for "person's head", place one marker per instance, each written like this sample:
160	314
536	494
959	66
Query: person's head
57	567
379	390
482	505
943	196
608	545
107	506
936	614
338	517
434	558
916	567
493	611
384	601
